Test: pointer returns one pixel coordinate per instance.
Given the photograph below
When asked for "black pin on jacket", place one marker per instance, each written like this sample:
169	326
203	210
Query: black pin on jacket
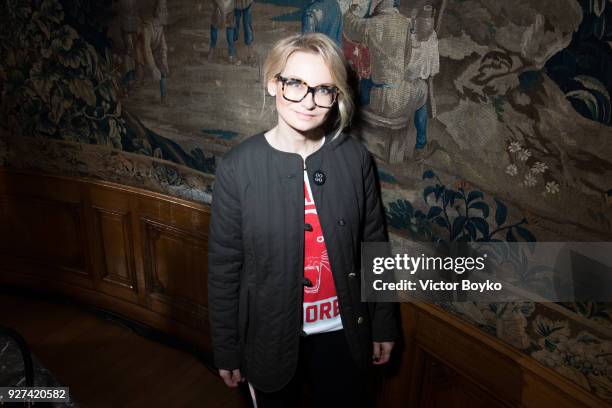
256	254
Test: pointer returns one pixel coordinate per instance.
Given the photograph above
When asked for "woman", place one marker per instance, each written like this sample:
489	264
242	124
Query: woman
290	209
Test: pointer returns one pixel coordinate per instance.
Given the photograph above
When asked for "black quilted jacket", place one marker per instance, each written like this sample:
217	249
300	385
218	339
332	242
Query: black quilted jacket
256	247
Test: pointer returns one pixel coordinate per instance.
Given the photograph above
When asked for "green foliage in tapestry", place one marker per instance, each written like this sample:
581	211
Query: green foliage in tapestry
53	82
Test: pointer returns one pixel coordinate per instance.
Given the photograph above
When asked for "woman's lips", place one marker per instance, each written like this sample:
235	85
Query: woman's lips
304	116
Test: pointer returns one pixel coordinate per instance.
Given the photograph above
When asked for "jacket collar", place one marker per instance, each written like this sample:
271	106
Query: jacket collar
330	143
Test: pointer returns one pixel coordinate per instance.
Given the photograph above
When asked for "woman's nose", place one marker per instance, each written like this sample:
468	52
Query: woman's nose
308	101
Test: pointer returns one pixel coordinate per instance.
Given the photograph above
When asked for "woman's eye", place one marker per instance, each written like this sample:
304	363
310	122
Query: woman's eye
325	90
294	83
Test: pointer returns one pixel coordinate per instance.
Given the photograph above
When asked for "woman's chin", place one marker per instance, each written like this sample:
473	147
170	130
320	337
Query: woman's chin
305	125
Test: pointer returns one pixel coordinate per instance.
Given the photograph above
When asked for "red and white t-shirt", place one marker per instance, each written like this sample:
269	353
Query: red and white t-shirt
321	310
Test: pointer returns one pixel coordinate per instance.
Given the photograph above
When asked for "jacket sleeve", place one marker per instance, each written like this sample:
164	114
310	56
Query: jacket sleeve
225	260
382	314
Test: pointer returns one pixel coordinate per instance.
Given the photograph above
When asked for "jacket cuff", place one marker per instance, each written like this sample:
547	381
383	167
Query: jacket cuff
227	360
385	323
384	335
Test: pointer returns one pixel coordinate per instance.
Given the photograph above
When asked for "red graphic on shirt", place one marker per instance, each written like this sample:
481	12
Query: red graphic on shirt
321	311
314	266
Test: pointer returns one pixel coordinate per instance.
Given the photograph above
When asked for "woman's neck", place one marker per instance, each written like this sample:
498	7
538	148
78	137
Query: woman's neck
287	139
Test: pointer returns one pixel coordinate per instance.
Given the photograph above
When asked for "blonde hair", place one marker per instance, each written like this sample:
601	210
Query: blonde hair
333	57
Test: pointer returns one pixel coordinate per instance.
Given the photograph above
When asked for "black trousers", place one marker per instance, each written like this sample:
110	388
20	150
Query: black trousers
325	363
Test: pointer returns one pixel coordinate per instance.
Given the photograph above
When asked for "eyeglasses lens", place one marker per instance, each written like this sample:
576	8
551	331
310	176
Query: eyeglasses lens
296	91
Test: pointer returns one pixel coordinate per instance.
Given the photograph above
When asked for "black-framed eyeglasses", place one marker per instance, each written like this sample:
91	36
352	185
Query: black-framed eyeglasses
295	90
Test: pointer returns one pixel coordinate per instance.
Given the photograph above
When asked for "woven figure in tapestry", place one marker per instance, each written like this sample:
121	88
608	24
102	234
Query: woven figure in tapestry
400	66
424	64
223	18
325	17
244	13
152	50
130	25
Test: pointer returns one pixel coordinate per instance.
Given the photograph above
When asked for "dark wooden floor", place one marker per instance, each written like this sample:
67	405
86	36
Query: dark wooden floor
106	364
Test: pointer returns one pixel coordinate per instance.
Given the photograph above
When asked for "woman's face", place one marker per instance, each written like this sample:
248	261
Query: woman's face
302	116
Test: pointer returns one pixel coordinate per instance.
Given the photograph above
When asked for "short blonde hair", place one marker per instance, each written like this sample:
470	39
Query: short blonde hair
322	45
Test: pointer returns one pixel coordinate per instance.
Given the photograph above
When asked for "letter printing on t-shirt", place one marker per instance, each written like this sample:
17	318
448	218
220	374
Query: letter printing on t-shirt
321	310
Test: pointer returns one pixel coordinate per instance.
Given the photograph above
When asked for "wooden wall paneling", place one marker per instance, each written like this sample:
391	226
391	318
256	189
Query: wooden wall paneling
110	222
544	387
415	381
183	214
443	387
492	370
115	253
109	228
102	300
489	370
175	262
135	202
65	189
396	393
44	232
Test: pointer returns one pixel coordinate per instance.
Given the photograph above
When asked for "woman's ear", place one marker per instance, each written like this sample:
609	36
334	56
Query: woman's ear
272	87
